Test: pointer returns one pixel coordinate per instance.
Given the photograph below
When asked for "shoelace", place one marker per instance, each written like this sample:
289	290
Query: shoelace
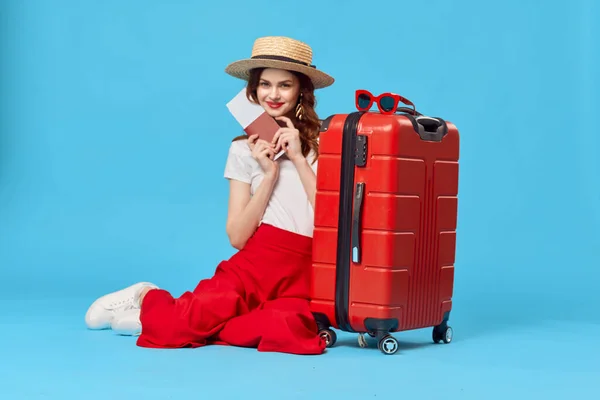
125	304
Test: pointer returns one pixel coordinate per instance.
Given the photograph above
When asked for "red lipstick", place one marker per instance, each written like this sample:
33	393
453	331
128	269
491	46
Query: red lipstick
274	105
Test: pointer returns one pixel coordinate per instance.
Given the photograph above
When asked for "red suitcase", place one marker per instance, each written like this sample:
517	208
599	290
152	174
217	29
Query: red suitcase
385	226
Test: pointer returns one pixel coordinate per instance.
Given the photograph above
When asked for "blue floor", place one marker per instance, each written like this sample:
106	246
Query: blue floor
50	355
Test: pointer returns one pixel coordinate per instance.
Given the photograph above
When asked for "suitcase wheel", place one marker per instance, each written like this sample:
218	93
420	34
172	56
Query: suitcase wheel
362	342
328	336
442	334
388	345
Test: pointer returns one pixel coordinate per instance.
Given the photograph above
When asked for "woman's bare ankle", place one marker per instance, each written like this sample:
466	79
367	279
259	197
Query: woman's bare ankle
143	294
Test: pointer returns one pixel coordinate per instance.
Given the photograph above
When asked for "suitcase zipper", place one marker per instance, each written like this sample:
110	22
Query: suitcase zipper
345	221
356	221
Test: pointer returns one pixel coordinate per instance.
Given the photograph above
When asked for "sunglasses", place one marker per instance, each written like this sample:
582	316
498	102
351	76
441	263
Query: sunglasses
386	102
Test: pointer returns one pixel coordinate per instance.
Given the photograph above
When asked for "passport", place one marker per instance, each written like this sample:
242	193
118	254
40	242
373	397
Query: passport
253	118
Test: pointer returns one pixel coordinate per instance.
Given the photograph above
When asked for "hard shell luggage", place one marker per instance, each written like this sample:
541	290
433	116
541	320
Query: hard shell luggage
385	226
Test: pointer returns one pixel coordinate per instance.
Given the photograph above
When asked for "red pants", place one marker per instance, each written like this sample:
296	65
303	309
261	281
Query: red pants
258	298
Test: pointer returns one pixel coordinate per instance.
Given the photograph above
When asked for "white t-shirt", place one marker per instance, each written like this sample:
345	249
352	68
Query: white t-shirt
288	208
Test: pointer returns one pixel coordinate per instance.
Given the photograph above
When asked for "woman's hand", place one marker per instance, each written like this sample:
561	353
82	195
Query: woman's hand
264	152
288	139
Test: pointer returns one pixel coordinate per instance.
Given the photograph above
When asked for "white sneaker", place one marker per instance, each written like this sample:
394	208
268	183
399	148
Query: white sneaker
104	310
128	323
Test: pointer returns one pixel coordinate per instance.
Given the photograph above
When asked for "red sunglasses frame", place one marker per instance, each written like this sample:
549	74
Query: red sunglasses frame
377	99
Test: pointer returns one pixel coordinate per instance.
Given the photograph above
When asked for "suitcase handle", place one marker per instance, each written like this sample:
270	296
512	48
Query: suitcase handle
432	129
356	221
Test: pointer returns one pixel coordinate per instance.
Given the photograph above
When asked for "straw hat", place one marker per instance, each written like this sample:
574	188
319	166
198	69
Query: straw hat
283	53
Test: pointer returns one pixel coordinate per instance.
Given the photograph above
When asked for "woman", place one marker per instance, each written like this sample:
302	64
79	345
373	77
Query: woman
259	297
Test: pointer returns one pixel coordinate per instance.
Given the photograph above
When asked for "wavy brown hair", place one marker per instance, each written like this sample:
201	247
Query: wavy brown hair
309	126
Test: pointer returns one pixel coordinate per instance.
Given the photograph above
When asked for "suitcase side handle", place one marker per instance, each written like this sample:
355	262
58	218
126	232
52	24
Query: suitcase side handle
356	221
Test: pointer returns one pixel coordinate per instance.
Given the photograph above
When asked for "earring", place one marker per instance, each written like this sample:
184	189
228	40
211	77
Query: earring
299	109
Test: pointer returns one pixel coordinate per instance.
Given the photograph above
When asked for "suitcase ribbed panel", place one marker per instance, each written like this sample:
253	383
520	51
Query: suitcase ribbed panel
425	281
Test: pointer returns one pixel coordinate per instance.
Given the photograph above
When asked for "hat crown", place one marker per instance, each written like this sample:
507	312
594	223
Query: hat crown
280	46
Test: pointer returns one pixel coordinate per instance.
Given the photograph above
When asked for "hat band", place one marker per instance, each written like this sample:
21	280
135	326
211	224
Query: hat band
282	58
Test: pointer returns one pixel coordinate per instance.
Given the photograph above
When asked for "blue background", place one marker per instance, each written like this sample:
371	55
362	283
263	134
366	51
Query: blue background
113	138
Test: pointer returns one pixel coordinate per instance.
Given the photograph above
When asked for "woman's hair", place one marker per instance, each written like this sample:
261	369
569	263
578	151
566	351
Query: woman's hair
309	125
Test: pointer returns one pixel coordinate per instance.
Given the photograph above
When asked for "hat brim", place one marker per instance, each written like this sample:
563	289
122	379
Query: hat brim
241	69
